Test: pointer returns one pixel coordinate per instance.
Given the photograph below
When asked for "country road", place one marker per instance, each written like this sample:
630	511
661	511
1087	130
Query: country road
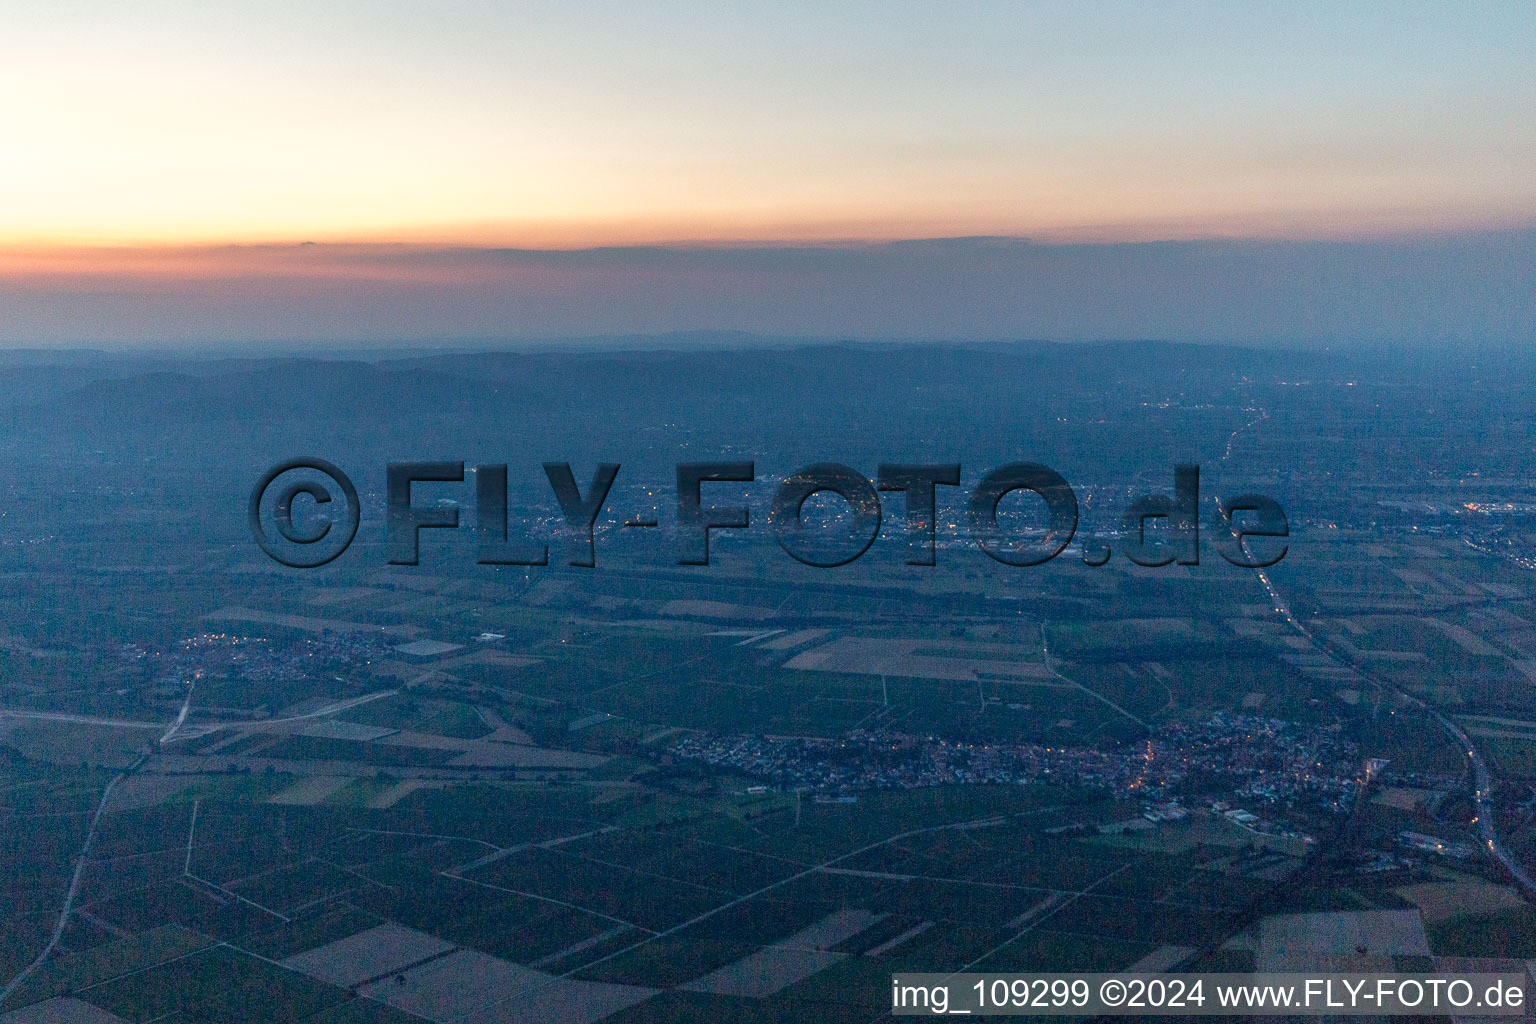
169	731
74	888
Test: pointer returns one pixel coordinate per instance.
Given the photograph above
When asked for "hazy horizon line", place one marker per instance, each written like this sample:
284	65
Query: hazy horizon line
1108	235
1450	287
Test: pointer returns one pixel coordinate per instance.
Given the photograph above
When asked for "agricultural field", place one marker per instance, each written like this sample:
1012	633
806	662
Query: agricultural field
296	911
658	795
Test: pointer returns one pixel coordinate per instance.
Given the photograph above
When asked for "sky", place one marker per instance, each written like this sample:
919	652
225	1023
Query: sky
139	142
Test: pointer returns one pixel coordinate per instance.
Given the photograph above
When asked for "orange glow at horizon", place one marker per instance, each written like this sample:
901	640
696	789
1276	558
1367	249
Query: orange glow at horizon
1130	213
551	126
384	255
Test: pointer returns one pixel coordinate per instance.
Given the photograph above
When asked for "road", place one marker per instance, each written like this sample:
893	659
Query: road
176	724
181	716
74	887
1482	795
809	870
167	732
55	716
1482	778
1045	652
330	709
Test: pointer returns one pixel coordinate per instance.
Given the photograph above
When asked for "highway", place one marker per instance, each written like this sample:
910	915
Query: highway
1482	778
1482	795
